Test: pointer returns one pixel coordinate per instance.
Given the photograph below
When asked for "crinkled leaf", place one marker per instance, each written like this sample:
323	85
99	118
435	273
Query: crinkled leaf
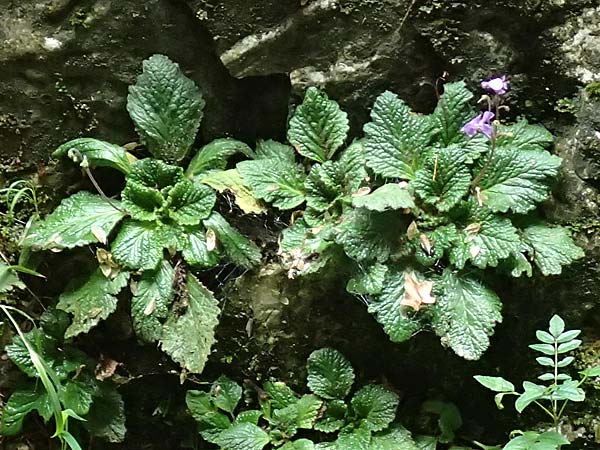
97	153
397	322
19	404
226	394
516	179
318	127
77	396
280	394
271	149
188	337
214	155
199	403
333	418
524	136
92	301
369	235
277	181
231	181
138	245
375	406
356	439
308	407
248	416
142	202
243	436
387	197
444	179
496	384
465	314
195	250
353	163
189	203
452	112
330	374
300	444
81	219
395	138
238	248
369	281
552	248
324	185
155	174
106	418
150	304
487	239
166	108
396	437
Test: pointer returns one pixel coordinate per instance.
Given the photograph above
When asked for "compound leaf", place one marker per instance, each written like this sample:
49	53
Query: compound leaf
375	406
318	127
496	384
79	220
330	374
465	314
166	108
238	248
150	304
92	301
552	248
97	153
138	245
188	337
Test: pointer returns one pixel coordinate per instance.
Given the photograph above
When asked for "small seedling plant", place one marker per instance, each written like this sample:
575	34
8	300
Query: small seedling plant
420	209
162	229
365	421
552	397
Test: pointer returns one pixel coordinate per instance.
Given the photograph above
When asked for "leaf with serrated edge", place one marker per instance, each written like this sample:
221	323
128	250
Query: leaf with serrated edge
187	338
353	163
97	153
19	404
239	249
106	418
92	301
330	374
226	394
453	111
324	185
465	314
166	108
375	406
70	225
369	281
231	181
318	127
552	248
188	203
271	149
150	304
395	138
396	437
387	197
195	250
214	155
138	245
280	395
243	436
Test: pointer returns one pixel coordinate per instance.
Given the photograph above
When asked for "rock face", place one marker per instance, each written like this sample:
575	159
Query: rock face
65	67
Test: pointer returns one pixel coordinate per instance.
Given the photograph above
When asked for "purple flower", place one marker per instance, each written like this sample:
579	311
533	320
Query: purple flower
498	86
479	124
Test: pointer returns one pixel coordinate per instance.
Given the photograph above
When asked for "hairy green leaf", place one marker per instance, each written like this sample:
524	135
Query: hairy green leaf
390	196
274	180
353	164
155	174
300	444
142	202
92	301
188	337
395	138
150	303
280	395
166	108
189	203
369	281
333	418
330	374
375	406
195	250
214	155
396	437
318	127
516	179
97	154
389	311
243	436
452	112
238	248
324	185
271	149
524	136
106	418
552	248
138	245
19	404
81	219
76	396
465	314
226	394
355	439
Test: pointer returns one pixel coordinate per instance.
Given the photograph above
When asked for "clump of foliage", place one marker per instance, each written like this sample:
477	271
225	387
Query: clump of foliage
552	397
593	89
163	228
421	208
364	421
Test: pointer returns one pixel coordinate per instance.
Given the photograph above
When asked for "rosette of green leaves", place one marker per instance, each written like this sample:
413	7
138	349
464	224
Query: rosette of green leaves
164	216
366	421
98	403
